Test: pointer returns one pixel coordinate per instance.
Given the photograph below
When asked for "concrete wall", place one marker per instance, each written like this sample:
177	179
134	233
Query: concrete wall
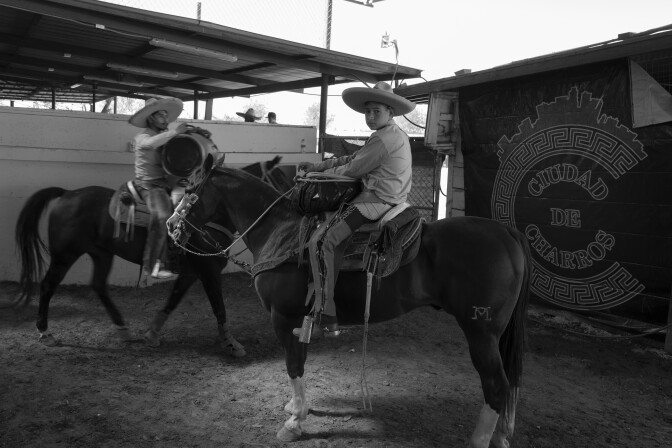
44	148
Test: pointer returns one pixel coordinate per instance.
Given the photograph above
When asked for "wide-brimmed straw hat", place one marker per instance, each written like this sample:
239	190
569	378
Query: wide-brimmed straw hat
357	97
171	105
249	113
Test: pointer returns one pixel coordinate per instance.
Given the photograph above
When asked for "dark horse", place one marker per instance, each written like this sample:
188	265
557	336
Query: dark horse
79	223
473	268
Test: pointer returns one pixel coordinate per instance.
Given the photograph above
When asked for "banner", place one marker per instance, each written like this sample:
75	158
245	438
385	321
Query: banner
556	157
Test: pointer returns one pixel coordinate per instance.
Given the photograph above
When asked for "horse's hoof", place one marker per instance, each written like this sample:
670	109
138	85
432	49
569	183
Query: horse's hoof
233	348
289	435
499	440
48	340
152	338
124	334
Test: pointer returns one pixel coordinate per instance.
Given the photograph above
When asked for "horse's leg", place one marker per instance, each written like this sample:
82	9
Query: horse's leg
484	351
102	265
506	425
180	287
211	277
295	358
54	276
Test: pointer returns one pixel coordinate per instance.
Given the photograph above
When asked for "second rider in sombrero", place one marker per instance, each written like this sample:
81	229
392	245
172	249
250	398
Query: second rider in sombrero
384	166
150	177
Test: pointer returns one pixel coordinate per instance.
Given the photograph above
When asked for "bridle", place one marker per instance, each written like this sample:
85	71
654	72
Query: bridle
182	226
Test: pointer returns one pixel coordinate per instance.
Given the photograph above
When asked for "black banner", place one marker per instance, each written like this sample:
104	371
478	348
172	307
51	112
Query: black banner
555	156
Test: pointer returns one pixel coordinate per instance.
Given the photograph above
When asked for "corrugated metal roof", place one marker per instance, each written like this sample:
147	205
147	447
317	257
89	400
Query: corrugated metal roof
48	46
652	49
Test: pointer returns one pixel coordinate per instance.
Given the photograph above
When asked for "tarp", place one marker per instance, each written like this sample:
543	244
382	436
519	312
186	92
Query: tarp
556	156
651	103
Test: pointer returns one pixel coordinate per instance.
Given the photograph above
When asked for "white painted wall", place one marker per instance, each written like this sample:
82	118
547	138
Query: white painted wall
44	148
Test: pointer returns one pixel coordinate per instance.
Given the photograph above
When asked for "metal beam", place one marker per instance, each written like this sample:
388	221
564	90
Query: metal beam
212	37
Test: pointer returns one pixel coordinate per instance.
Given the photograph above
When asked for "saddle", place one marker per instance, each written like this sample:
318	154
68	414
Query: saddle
380	247
128	206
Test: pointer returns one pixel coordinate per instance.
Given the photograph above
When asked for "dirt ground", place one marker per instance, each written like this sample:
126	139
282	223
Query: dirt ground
95	391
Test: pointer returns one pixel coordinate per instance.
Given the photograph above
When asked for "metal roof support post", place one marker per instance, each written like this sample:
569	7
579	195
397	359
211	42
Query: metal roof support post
195	104
93	98
53	97
324	95
208	109
115	105
668	336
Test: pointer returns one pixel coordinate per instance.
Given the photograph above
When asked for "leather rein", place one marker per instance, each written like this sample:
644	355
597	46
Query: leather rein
181	223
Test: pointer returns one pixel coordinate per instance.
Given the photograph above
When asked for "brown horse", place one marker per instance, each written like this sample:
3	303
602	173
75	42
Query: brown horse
79	223
473	268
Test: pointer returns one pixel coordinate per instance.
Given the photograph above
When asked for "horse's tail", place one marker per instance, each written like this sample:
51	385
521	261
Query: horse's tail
30	246
512	342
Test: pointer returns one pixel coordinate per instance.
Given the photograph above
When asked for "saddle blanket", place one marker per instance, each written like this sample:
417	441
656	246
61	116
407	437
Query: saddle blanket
396	244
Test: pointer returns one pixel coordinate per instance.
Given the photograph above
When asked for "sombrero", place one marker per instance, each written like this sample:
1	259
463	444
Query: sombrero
249	114
357	97
171	105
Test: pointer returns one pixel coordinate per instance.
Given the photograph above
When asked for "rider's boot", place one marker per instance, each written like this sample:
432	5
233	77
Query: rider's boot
160	273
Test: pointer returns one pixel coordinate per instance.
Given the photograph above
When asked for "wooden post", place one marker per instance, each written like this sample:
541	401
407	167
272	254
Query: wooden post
668	335
322	128
208	109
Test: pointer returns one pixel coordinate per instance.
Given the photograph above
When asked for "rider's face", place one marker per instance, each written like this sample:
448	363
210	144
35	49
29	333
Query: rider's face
377	115
158	120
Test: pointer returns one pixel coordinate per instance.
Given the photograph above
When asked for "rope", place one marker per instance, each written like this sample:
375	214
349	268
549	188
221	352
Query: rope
205	234
364	386
602	336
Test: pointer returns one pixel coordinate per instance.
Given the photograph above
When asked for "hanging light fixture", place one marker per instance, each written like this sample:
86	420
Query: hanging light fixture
112	81
190	49
142	70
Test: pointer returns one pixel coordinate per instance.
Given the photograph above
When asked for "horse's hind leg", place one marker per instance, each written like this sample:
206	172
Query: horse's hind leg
54	276
102	265
485	356
180	288
507	421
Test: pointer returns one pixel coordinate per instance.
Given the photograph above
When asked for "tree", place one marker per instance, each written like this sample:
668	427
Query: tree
312	117
417	116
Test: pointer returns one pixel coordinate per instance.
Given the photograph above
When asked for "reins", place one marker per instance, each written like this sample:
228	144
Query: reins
193	198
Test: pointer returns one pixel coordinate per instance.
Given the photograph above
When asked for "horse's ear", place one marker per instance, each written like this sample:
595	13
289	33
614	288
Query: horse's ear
276	160
219	159
208	163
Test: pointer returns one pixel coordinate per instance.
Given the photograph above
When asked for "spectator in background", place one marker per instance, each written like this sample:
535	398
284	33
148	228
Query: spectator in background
250	116
271	118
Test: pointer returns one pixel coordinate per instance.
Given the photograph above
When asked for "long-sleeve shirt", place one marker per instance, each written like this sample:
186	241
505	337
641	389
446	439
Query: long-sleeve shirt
148	158
383	164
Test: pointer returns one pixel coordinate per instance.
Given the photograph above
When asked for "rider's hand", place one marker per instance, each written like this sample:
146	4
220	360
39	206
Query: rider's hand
306	167
181	128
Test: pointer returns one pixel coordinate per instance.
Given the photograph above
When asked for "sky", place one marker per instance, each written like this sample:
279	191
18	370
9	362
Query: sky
439	37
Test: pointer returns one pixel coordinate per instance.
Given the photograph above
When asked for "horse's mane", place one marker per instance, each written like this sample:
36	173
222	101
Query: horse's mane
267	193
282	240
247	177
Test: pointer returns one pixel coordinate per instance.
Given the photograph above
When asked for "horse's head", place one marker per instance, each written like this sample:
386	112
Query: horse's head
218	194
184	220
